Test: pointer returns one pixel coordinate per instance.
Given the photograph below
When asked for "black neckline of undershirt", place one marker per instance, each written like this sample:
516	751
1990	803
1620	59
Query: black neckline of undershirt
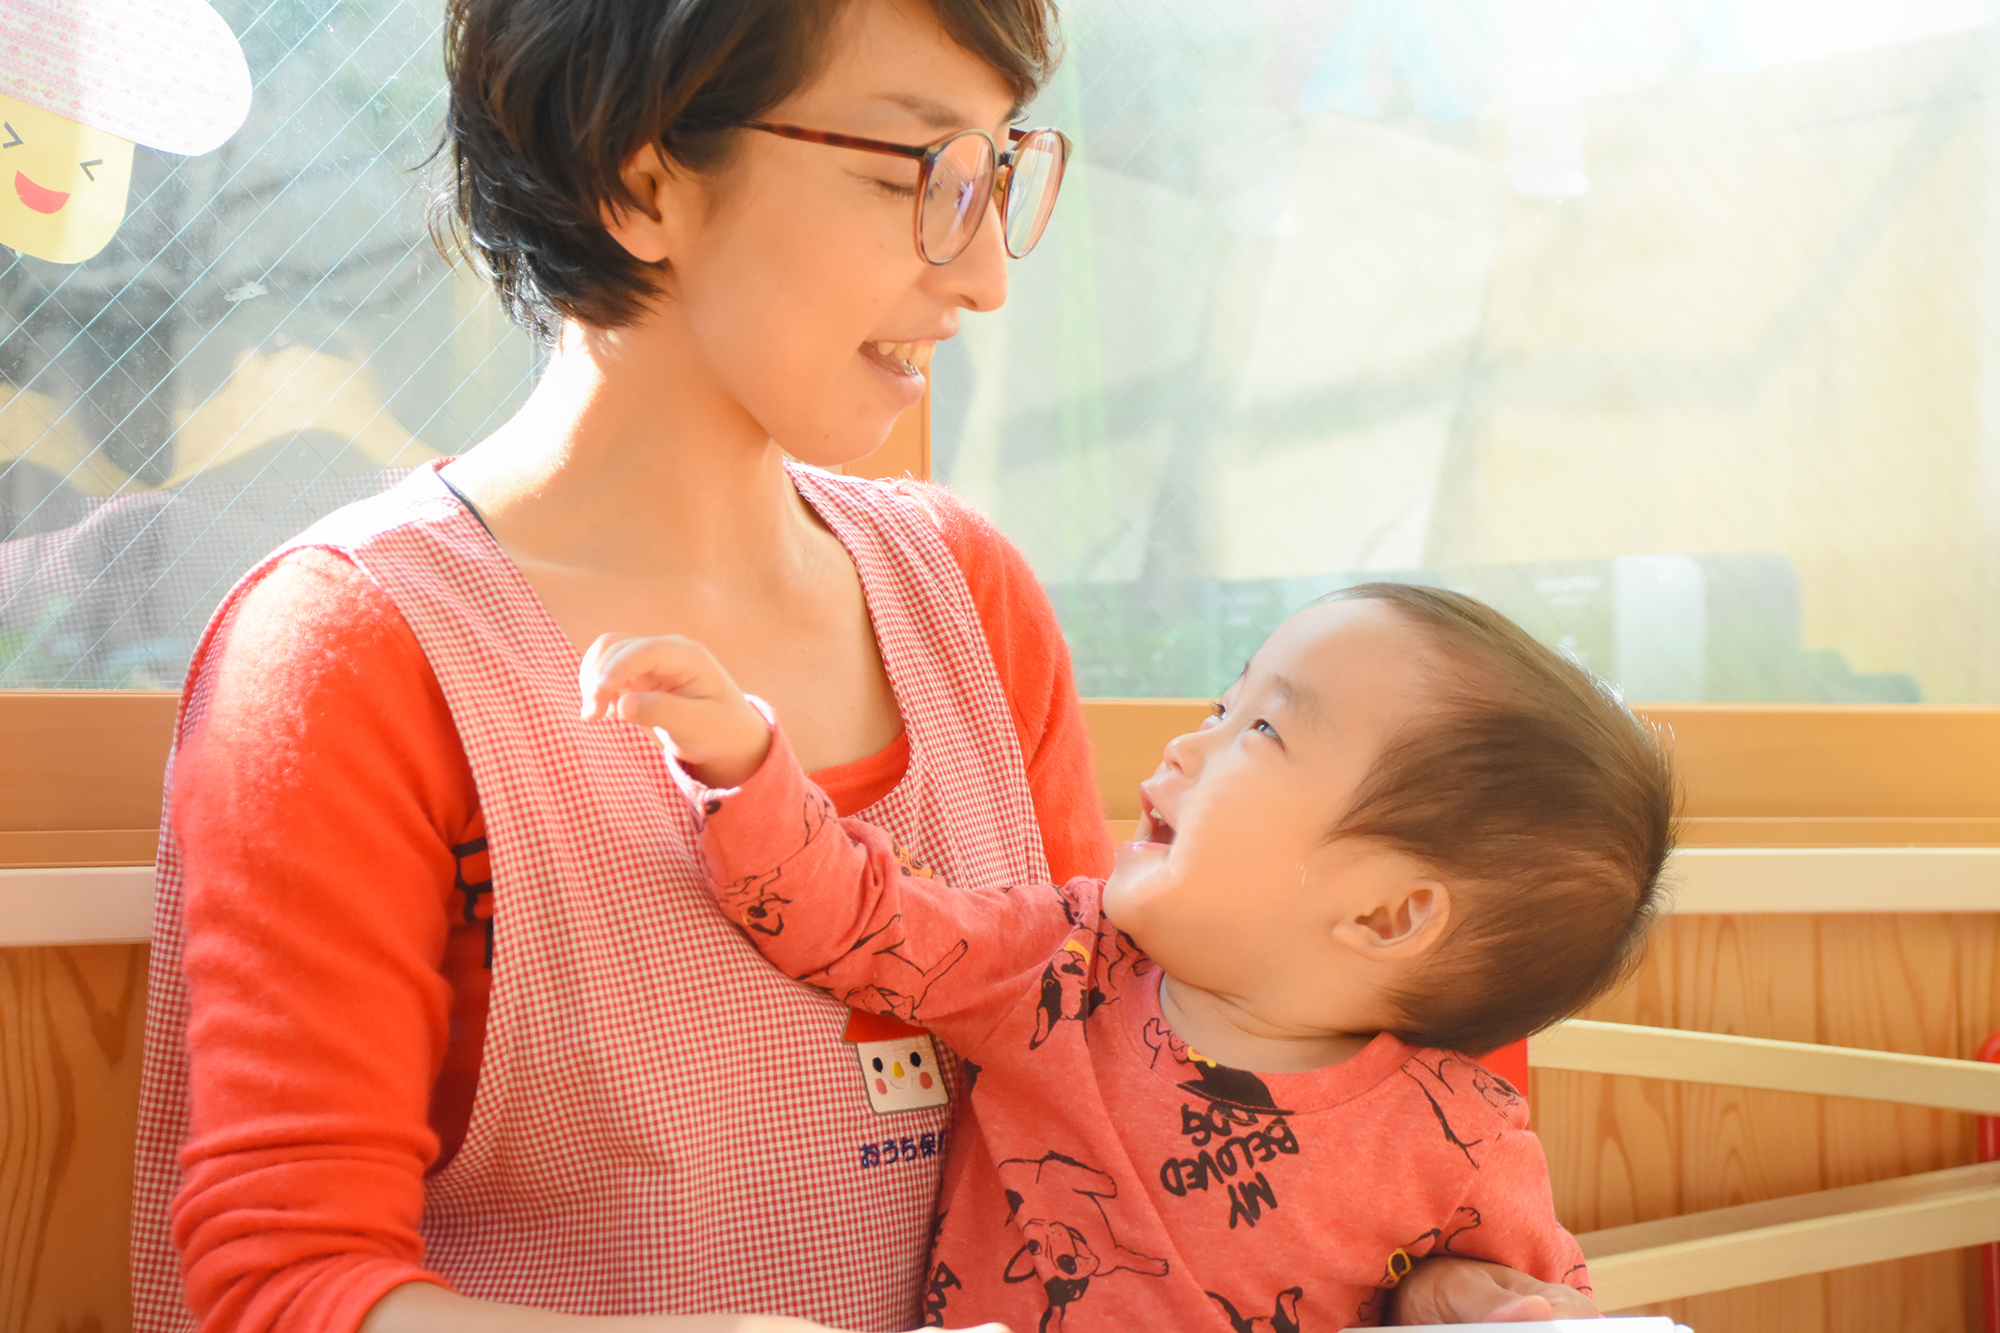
470	507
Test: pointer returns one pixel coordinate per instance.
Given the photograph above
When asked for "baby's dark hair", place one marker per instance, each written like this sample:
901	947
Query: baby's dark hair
1545	806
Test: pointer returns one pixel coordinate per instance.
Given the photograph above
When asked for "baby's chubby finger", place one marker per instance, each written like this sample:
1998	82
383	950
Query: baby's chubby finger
593	683
622	664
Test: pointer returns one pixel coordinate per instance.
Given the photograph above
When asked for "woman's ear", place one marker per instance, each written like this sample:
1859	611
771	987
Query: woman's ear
652	227
1407	923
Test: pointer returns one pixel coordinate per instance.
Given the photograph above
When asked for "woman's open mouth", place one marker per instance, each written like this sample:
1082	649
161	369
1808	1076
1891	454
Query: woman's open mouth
901	365
911	359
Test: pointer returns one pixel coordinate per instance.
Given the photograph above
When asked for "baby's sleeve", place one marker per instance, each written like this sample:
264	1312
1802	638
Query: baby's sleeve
1513	1213
837	903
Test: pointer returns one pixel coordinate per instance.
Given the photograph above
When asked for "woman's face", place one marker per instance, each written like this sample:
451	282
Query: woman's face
803	262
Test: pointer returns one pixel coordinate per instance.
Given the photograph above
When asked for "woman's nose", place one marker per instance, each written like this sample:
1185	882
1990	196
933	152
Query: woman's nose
978	277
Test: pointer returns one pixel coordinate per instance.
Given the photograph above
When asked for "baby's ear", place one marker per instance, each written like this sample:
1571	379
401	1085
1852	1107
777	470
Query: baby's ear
1409	921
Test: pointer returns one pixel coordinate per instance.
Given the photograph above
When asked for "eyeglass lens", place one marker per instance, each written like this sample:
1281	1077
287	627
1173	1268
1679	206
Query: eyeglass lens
961	181
1031	189
955	198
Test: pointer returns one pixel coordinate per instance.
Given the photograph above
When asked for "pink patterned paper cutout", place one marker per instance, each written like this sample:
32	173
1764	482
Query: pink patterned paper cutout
165	73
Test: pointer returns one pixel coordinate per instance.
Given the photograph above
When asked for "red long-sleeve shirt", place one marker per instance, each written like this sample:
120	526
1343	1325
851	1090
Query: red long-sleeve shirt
1109	1177
337	910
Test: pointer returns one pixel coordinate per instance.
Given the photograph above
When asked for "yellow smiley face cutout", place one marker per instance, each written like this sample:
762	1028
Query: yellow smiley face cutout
62	184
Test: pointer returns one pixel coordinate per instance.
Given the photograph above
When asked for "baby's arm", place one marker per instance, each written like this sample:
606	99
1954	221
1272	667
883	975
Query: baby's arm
830	901
1514	1215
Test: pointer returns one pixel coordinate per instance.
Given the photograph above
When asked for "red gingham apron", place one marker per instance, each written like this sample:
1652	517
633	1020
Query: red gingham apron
663	1122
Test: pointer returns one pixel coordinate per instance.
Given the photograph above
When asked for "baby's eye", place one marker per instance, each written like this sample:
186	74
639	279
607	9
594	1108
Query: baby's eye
1216	713
1264	726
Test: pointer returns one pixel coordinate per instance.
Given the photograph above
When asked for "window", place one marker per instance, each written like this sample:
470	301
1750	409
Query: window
1662	324
268	335
1668	326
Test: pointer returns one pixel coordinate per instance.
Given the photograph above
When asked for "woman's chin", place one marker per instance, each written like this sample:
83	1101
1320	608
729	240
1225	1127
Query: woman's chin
851	447
868	426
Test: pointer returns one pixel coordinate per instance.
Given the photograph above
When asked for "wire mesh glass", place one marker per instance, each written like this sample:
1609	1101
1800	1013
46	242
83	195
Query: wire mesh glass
269	335
1668	326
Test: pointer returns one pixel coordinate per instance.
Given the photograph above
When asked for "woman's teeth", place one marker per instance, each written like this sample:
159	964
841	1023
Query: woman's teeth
915	357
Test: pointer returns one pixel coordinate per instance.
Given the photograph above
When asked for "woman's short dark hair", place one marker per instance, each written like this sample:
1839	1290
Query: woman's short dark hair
1545	806
550	98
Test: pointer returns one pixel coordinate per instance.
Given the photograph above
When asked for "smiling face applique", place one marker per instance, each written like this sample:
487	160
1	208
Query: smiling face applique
62	184
899	1064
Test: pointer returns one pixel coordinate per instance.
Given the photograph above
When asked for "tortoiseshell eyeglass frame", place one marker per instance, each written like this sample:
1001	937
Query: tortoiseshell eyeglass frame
928	154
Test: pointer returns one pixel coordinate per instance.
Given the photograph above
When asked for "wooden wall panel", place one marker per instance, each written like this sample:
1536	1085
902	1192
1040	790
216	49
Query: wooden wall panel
71	1024
1752	976
1813	761
1623	1150
83	759
1620	1150
1616	1160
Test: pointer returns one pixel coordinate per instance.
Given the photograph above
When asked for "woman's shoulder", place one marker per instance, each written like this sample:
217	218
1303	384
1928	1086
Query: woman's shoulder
992	564
308	619
312	665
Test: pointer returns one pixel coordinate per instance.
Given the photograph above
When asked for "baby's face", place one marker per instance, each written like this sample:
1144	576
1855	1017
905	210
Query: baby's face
1229	883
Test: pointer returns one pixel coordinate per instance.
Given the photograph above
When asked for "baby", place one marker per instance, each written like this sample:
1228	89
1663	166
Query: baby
1408	831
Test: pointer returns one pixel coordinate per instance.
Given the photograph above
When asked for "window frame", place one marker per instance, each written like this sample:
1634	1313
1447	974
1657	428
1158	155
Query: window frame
80	769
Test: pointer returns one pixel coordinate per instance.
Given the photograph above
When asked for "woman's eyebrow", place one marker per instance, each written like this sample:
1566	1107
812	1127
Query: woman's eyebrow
931	112
934	113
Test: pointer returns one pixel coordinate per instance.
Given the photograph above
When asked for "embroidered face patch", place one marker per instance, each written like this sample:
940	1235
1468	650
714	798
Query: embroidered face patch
901	1075
899	1064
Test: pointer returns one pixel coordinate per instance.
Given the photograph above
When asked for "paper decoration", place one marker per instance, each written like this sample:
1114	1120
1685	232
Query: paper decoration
82	81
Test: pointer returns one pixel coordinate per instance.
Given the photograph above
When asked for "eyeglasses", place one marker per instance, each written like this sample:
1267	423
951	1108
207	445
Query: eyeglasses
960	173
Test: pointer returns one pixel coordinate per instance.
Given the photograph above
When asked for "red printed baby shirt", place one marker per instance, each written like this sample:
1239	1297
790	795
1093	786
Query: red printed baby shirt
1108	1177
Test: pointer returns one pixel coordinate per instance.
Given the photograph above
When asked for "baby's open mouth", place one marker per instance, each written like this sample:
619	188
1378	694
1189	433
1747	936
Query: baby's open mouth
1152	828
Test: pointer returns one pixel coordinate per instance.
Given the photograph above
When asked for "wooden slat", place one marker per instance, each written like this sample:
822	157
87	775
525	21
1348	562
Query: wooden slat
39	906
1861	761
1768	776
70	1032
1791	1237
78	847
1792	1208
1876	992
1718	831
83	759
1780	1066
1615	1323
76	905
1715	881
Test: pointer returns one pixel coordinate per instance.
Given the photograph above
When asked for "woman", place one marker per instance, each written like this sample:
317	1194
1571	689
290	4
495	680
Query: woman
397	870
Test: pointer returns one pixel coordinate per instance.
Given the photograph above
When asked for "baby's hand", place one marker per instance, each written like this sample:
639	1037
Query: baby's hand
676	687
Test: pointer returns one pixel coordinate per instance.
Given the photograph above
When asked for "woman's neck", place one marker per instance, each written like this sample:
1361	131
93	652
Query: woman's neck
630	457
